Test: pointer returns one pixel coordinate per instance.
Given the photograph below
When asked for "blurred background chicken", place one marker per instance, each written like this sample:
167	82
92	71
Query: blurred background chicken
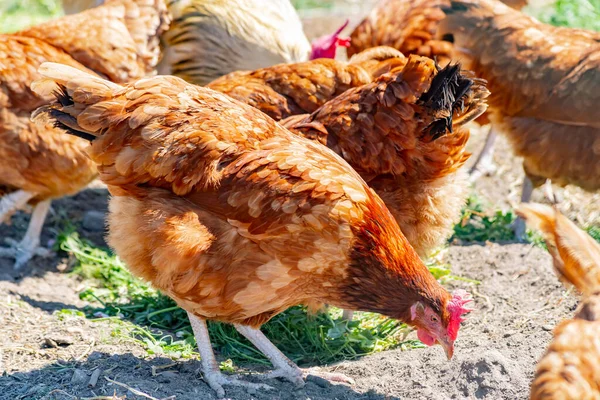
411	26
211	38
570	369
117	41
238	219
543	81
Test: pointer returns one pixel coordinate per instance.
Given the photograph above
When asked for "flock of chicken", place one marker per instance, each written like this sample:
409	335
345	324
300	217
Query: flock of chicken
266	174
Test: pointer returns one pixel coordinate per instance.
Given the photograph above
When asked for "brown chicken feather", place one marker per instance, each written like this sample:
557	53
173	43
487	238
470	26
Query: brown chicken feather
284	90
409	26
40	160
235	217
118	40
542	80
404	134
570	369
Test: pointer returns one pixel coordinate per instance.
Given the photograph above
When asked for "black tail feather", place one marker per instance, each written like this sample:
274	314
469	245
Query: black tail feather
59	118
446	95
65	122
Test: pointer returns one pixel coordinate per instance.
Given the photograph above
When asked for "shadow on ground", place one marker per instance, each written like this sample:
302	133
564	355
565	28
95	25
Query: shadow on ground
159	378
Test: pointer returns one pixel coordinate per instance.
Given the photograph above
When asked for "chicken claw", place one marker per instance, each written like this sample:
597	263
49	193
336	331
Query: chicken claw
210	368
23	251
284	367
329	376
216	380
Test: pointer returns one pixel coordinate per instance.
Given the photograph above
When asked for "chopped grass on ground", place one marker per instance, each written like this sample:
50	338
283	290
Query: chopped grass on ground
141	313
478	224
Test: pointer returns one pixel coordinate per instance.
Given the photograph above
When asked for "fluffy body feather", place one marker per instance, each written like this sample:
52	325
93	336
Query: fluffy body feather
542	80
235	217
39	159
570	369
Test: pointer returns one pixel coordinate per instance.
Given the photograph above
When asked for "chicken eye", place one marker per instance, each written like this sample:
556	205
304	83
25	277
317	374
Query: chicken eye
434	318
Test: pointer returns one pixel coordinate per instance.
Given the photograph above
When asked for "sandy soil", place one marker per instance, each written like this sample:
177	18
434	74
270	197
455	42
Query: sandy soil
519	301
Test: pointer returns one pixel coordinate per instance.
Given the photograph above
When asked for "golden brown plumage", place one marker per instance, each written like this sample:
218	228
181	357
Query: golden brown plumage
284	90
406	144
570	369
542	80
409	26
406	25
235	217
39	160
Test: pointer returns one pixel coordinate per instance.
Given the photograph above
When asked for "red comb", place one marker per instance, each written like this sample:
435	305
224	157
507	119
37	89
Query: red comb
325	46
456	308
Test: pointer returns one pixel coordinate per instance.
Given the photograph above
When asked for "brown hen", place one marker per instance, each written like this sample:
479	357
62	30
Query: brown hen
38	162
238	219
570	369
404	134
543	81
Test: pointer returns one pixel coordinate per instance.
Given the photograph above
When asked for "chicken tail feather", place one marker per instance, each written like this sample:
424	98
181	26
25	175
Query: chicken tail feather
576	255
453	93
74	92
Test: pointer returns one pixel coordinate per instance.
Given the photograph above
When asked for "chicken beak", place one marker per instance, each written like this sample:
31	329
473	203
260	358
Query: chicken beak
448	346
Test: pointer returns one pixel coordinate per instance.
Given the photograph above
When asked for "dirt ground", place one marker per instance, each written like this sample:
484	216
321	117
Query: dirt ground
519	301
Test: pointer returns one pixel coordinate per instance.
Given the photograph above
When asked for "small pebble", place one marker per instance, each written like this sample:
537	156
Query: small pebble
93	221
95	356
58	340
79	377
547	328
251	391
317	380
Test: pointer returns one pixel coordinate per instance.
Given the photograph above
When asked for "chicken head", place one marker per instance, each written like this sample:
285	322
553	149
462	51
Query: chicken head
440	327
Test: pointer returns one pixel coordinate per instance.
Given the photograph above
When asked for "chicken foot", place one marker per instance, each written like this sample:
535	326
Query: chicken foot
484	165
284	367
210	368
519	224
29	246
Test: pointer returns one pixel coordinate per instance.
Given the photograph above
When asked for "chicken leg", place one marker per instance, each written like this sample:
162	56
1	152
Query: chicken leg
519	224
347	315
284	367
29	246
484	165
210	368
13	202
